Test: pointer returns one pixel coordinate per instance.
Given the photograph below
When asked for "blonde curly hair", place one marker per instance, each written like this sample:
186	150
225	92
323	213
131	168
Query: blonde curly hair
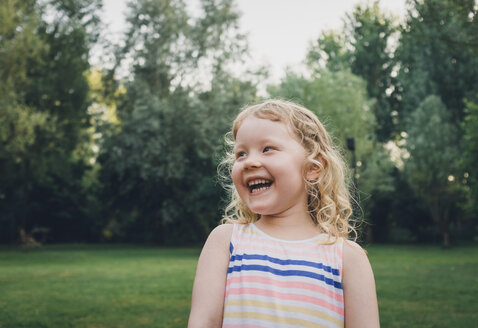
328	196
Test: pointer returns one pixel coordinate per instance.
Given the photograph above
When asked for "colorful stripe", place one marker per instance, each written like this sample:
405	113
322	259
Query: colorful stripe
297	252
285	308
245	280
287	273
278	283
326	268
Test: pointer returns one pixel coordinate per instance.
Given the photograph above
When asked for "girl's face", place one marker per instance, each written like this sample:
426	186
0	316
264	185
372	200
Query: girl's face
269	166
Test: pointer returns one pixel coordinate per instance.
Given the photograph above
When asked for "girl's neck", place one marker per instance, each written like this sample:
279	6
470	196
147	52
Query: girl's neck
298	227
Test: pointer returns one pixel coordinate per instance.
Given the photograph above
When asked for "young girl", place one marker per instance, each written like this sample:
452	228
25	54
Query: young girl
283	259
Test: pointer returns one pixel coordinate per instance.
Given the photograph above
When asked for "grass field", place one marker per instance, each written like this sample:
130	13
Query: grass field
127	286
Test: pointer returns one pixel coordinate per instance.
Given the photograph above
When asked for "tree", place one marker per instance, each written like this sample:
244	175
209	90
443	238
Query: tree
159	168
21	47
19	122
363	47
437	58
470	146
437	54
46	96
370	33
330	51
432	169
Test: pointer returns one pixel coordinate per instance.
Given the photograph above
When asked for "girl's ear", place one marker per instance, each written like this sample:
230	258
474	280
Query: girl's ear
314	171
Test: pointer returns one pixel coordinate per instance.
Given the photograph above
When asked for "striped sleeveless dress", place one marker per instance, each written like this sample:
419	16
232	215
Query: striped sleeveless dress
279	283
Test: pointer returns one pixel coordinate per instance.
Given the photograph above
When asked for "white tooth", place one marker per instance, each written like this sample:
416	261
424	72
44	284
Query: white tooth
256	182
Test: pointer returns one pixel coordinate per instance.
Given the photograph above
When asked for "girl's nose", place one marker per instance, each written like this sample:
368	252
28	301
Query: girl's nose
252	163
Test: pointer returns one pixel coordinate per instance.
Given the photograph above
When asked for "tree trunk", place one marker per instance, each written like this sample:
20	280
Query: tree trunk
22	213
446	239
445	228
441	220
368	235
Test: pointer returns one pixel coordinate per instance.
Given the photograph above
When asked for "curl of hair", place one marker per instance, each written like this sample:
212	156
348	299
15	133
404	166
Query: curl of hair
328	196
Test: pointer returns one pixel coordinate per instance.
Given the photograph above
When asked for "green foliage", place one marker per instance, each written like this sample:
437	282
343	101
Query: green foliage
159	169
329	52
433	165
339	99
19	123
371	32
134	157
21	48
44	49
470	147
432	143
438	54
363	47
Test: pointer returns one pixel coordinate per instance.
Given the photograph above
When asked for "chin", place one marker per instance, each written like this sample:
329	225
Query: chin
261	211
257	210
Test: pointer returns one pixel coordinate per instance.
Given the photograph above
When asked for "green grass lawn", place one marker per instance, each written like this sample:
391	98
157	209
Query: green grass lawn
127	286
426	286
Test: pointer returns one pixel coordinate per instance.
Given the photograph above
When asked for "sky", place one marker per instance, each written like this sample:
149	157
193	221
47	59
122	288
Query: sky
279	31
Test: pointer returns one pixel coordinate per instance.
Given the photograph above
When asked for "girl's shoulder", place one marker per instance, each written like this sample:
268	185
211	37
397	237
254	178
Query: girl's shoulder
221	235
355	261
352	246
353	254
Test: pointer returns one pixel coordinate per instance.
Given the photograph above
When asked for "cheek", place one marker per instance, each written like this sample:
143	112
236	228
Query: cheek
236	175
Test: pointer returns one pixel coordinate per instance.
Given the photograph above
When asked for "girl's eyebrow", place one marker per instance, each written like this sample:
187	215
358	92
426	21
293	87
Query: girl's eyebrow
265	140
236	148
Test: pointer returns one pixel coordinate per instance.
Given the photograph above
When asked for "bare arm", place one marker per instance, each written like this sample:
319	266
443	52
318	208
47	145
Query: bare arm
210	282
361	308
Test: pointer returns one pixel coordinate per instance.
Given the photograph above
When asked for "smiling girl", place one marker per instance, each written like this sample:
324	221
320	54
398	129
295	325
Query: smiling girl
284	258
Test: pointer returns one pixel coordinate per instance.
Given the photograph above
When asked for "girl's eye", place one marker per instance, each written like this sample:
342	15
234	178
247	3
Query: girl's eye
240	154
266	149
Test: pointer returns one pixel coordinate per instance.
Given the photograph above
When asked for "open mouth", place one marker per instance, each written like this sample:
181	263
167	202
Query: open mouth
258	185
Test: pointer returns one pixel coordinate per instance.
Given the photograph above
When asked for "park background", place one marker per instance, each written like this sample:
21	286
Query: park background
109	149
